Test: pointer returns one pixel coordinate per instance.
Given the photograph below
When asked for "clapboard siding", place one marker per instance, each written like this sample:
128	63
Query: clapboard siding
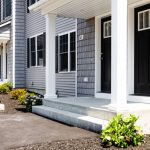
86	57
35	76
20	46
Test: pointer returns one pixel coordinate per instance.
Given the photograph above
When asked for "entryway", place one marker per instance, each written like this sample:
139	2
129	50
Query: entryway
142	50
106	55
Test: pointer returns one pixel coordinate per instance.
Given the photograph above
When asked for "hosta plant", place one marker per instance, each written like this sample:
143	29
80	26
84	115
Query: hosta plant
122	132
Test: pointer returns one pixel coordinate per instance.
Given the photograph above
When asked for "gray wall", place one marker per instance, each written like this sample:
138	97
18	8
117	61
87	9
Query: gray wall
35	76
20	46
86	57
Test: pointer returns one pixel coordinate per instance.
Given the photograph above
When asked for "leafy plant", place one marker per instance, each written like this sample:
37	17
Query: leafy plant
16	94
9	85
4	89
122	132
32	101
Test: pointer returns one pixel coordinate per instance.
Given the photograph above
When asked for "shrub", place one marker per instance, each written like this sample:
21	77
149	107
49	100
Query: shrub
32	101
15	94
122	132
4	89
9	85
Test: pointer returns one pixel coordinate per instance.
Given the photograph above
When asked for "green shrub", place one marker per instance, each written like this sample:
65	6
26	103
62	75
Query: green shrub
122	132
9	85
15	94
22	99
4	89
32	101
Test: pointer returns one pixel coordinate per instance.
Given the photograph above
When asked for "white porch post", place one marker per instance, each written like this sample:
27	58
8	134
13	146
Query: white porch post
50	56
119	53
4	61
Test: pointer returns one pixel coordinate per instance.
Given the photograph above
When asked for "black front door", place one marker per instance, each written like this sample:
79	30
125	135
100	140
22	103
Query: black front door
106	55
142	50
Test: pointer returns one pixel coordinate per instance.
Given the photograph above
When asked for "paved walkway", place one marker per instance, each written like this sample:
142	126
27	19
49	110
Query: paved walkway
18	130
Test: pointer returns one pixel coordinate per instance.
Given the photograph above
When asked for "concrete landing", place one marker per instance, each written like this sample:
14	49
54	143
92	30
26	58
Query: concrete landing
91	113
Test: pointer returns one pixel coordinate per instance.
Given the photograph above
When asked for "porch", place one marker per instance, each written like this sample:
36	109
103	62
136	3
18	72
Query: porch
90	113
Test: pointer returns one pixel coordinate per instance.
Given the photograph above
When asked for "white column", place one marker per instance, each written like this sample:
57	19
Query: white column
4	61
50	56
119	53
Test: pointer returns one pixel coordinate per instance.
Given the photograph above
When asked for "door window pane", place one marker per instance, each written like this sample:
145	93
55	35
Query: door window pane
144	20
107	29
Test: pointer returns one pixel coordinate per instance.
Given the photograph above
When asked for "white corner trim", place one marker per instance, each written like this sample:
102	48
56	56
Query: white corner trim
14	38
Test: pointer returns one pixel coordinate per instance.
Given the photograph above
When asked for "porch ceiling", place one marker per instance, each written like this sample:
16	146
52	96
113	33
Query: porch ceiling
75	8
4	36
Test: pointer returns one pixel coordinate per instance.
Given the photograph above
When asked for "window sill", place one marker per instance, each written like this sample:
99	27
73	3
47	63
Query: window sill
36	67
65	72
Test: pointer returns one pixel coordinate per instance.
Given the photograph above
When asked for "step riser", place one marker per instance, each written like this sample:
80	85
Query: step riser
68	120
101	114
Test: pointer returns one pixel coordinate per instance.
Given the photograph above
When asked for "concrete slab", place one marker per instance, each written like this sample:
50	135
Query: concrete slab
18	130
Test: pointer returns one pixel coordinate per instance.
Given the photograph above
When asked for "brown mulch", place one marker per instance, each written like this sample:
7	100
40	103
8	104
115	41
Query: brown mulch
81	144
11	106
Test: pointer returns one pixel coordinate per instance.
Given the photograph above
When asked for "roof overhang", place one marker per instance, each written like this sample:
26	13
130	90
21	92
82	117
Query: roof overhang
5	32
75	8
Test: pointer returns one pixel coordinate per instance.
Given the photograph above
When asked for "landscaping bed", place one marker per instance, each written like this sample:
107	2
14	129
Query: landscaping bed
81	144
11	106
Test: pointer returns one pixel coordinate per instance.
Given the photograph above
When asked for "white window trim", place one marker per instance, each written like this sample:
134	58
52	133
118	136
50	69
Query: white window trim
69	67
142	12
35	36
104	34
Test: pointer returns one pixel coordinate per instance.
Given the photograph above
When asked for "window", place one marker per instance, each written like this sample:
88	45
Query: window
67	52
107	29
144	20
6	8
36	51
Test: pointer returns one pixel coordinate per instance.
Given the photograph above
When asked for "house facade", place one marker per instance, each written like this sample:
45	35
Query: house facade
78	48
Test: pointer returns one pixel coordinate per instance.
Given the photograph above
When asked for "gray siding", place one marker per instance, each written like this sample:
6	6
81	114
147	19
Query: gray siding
20	46
86	57
35	76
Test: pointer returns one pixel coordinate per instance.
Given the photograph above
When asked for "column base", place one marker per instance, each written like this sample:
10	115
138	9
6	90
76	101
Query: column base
118	107
48	96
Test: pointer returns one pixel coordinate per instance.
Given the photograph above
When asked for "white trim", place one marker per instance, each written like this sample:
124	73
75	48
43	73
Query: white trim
4	24
36	59
143	12
61	34
35	35
104	33
76	78
14	41
98	51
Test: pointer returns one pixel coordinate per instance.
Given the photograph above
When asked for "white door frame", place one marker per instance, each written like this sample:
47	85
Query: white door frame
98	93
131	96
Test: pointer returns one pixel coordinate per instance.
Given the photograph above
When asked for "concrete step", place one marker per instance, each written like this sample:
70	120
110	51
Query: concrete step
80	108
74	119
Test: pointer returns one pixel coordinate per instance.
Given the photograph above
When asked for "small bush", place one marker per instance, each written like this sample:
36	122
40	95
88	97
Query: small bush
4	89
9	85
15	94
122	132
32	101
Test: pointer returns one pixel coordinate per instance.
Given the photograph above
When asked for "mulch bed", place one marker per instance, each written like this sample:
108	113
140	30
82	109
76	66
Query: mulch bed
81	144
11	106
